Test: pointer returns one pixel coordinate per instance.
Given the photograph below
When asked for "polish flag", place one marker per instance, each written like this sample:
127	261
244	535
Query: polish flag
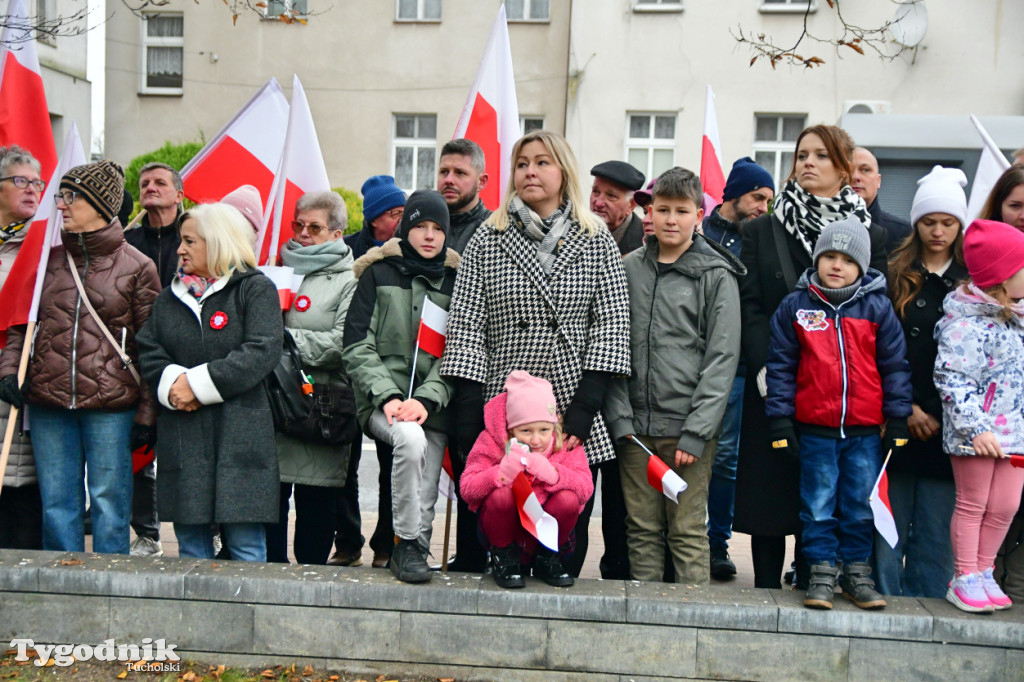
535	520
246	151
301	170
433	323
286	281
24	285
1017	461
446	484
991	165
885	524
24	116
712	178
490	116
662	478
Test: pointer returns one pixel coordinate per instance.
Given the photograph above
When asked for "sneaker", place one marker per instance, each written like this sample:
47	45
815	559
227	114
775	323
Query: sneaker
722	567
967	594
143	546
994	593
408	563
354	558
380	560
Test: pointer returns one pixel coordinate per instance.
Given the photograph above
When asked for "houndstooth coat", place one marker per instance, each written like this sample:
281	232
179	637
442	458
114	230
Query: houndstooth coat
507	314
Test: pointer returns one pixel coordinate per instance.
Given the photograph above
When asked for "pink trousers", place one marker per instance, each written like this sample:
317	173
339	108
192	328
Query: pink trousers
499	518
988	494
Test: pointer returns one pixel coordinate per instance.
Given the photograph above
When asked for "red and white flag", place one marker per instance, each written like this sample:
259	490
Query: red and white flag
991	165
24	285
24	116
246	151
885	524
433	323
712	177
535	520
286	281
446	484
1017	461
662	478
490	116
301	170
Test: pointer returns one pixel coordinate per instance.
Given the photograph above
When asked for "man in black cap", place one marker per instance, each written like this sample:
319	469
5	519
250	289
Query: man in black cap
611	199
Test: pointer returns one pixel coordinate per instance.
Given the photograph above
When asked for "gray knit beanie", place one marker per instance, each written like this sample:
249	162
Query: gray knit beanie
847	236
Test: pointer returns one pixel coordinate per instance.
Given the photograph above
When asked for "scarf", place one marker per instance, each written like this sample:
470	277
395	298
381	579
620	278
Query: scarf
804	215
835	296
196	285
415	264
547	234
307	259
11	231
1017	306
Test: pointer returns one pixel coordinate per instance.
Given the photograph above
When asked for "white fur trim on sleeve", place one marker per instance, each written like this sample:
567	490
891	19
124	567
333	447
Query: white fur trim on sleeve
202	385
169	376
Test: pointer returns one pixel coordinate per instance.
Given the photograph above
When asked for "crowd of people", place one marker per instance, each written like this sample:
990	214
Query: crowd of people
775	351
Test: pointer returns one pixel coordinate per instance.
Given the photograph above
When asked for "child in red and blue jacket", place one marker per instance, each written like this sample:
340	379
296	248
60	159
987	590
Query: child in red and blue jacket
836	372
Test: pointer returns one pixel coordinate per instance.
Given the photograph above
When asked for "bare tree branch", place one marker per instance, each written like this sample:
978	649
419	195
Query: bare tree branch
22	29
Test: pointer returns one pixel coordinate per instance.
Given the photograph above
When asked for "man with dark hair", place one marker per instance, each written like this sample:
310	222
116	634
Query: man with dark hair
611	199
866	182
461	175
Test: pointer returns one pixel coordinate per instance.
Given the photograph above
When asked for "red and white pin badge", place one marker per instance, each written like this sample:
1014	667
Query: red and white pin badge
219	320
302	303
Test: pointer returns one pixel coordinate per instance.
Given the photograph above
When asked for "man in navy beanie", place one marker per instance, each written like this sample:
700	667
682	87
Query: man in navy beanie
383	203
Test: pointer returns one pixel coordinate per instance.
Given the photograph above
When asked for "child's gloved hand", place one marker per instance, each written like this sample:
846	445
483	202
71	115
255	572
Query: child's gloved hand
542	469
508	469
782	436
897	435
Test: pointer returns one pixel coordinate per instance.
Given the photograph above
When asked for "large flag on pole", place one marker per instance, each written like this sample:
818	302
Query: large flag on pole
24	116
490	116
301	170
246	151
24	284
991	165
712	177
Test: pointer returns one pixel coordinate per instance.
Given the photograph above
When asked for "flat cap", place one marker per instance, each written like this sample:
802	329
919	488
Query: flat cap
621	173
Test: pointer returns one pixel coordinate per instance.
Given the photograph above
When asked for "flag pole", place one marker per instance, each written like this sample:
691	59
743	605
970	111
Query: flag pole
880	474
447	528
136	220
12	418
415	355
640	443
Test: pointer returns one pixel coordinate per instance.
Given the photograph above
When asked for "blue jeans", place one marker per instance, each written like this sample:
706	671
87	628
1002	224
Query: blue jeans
922	508
722	489
75	445
836	477
245	541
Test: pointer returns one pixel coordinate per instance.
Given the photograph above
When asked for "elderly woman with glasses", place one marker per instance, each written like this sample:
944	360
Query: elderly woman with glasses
88	407
316	321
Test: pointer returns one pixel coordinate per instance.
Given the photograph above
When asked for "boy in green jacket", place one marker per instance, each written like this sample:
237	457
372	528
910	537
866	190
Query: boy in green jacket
380	340
685	341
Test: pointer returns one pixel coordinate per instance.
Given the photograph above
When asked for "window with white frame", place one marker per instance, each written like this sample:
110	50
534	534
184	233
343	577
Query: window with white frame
657	5
418	10
528	10
163	53
46	15
413	148
527	124
651	142
290	8
775	142
787	5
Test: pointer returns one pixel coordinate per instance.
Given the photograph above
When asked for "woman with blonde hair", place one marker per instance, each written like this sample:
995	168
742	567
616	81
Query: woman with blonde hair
541	289
213	336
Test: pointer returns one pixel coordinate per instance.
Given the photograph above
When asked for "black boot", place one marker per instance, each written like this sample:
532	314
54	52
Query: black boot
508	566
858	586
548	567
722	567
822	586
408	563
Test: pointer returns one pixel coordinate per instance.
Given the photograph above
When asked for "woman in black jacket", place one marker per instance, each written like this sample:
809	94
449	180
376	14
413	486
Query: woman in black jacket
777	248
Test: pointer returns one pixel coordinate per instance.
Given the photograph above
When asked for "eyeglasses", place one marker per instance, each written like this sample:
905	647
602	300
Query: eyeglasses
21	182
395	213
67	196
314	228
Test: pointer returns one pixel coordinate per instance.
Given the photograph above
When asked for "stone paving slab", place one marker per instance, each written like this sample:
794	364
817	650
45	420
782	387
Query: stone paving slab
732	655
713	606
19	570
188	624
902	618
371	588
872	660
1002	628
488	641
326	632
53	618
114	575
607	647
260	583
597	600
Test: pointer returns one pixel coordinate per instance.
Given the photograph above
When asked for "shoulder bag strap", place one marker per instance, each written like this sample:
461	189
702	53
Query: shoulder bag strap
125	358
785	259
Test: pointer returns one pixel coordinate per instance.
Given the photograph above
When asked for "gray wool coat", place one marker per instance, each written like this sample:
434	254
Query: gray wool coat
218	463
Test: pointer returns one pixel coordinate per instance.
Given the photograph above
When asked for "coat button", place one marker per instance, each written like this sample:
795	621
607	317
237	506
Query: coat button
523	324
915	332
778	275
921	303
553	323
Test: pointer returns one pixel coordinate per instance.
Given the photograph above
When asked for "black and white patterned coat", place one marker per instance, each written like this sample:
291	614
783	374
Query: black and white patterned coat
506	314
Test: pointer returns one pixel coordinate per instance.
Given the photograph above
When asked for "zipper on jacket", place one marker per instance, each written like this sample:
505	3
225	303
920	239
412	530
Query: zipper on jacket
846	378
74	328
650	325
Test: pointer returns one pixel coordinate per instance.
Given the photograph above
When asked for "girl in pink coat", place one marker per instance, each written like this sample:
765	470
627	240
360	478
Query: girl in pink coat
521	426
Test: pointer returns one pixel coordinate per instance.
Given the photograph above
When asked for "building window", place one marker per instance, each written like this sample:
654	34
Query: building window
528	10
527	124
46	15
414	145
163	53
657	5
651	142
775	142
787	5
418	10
287	8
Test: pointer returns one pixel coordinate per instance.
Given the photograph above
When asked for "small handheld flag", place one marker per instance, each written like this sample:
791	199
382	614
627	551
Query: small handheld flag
660	476
535	520
1017	461
885	523
431	334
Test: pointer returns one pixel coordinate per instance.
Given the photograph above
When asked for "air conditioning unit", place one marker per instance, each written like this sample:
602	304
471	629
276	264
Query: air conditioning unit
867	106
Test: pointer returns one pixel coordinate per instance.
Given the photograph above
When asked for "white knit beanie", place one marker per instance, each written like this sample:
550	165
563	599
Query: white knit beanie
941	191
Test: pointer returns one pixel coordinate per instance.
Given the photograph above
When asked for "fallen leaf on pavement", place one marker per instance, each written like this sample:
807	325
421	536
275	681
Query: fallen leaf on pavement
269	674
123	674
307	671
71	562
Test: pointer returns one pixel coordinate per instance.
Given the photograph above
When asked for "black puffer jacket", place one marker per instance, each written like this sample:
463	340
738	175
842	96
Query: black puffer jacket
160	244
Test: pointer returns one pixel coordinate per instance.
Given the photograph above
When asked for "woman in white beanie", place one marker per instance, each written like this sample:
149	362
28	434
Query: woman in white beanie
926	267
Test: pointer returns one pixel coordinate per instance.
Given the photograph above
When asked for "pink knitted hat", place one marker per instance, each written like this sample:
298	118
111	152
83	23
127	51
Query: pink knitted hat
530	399
247	200
994	252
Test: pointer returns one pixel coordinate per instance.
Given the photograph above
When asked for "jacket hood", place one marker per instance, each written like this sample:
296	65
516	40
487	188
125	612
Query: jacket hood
496	418
97	243
958	305
391	249
703	255
872	282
